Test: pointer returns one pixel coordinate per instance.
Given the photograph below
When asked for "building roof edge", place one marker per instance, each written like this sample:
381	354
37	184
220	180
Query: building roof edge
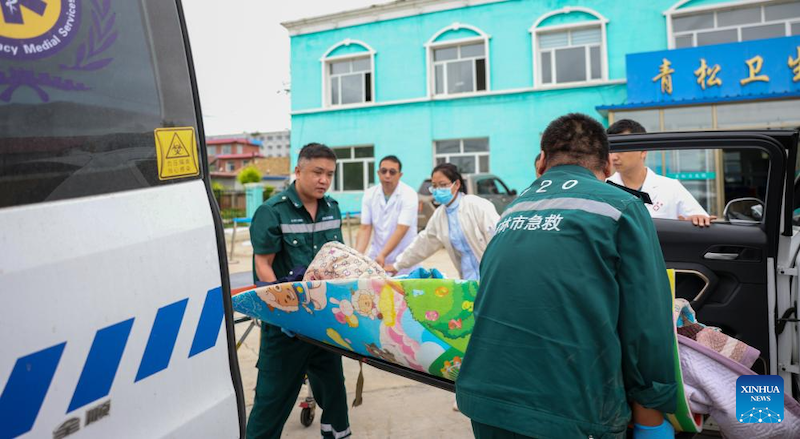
375	13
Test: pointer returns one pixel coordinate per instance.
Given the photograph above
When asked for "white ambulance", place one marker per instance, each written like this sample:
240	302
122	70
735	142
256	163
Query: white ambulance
116	319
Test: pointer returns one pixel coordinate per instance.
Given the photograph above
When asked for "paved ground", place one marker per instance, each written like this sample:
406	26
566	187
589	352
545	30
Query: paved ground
393	407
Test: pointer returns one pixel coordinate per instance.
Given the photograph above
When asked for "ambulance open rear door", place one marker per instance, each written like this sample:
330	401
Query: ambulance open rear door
115	316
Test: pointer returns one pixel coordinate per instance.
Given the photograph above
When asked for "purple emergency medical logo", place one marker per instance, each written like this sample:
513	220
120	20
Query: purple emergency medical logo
35	29
31	30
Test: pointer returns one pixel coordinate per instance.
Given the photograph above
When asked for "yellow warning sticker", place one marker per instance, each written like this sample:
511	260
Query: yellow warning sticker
176	149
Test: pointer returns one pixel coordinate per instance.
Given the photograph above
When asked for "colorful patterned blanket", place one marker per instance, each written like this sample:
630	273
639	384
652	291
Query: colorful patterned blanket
422	324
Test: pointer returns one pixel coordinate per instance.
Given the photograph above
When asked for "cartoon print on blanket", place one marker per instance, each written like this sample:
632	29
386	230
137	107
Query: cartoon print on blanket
422	324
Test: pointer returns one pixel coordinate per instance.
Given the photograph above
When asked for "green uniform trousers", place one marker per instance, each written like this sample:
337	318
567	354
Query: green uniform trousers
483	431
283	363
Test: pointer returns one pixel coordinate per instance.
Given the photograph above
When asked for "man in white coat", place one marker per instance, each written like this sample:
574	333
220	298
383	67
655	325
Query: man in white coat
670	199
389	214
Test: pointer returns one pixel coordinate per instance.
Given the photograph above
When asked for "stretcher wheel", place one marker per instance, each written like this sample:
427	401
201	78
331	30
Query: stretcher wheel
307	416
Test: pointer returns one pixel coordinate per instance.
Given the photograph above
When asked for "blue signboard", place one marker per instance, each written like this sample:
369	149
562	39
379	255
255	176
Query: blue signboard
746	70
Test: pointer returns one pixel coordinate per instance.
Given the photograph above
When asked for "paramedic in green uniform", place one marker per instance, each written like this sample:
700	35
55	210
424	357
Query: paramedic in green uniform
287	231
573	322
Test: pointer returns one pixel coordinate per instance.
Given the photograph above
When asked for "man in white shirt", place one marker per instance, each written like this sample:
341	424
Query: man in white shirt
388	213
670	199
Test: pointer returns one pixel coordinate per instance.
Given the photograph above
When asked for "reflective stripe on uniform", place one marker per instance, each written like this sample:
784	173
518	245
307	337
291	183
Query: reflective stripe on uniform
311	228
591	206
328	428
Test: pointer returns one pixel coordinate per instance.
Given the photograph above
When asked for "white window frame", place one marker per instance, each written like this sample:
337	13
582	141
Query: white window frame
339	174
432	44
535	30
476	155
676	12
325	62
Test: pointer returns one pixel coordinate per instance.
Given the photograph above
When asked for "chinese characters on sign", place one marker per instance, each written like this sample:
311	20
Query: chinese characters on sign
708	76
665	75
535	222
754	65
794	64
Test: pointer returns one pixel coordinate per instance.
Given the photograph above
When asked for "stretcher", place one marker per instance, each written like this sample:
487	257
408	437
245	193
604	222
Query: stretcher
415	328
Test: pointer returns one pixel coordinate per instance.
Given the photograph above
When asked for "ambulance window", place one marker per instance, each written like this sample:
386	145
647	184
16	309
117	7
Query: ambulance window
82	88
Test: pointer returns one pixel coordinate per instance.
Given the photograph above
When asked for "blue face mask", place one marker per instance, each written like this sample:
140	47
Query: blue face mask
442	195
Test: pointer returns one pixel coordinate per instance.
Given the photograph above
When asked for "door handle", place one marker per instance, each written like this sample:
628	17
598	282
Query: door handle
721	256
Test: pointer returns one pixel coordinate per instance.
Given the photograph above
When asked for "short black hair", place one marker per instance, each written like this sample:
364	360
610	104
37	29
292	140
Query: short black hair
392	158
451	172
316	151
575	139
626	126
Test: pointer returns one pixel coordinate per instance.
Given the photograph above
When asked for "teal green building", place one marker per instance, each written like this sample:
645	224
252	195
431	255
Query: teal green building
476	82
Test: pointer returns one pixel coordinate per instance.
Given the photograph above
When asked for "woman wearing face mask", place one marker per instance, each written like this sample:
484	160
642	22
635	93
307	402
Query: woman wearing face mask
462	224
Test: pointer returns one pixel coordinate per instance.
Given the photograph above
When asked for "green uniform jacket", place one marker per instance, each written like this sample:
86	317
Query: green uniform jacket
573	315
284	227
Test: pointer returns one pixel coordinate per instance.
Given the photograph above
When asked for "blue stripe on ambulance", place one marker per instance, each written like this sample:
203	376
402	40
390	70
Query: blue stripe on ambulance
101	364
205	337
30	379
162	339
26	388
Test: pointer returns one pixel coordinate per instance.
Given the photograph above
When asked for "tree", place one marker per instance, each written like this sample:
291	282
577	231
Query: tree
249	175
217	188
268	191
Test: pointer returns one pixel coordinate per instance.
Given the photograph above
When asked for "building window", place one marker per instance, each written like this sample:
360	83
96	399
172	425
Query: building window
570	53
226	149
459	69
350	81
230	166
470	155
570	56
733	24
459	60
348	74
355	168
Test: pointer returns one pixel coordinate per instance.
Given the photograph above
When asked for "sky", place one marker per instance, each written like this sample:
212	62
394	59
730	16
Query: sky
241	58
